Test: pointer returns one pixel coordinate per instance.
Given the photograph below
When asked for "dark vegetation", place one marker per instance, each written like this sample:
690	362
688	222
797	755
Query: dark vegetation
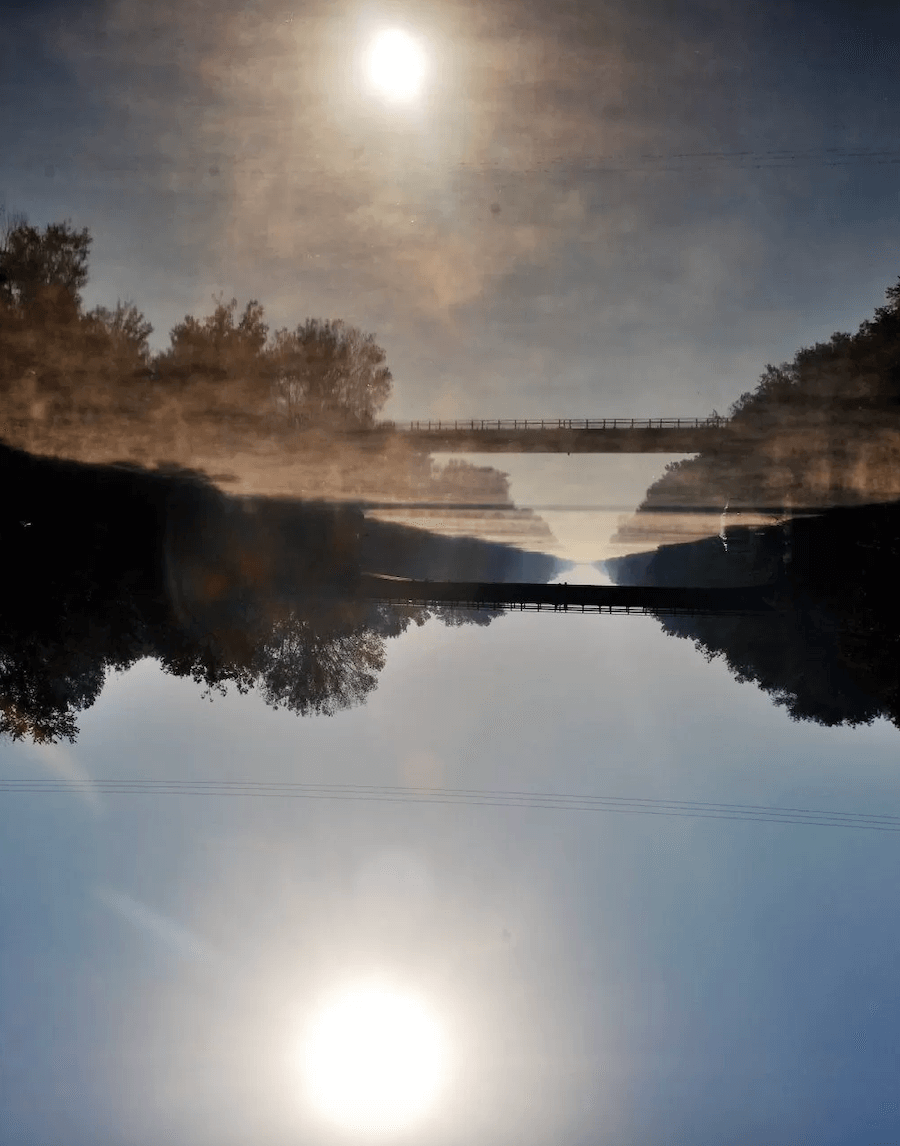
821	432
263	411
104	566
830	652
107	564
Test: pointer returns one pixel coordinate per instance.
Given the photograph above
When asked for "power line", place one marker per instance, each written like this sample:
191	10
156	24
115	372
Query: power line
474	797
600	164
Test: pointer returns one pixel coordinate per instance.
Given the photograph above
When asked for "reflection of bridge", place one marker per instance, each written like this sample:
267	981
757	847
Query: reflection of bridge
562	436
670	600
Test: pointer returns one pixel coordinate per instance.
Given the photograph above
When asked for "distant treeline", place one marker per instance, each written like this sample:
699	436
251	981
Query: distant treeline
822	429
58	359
830	652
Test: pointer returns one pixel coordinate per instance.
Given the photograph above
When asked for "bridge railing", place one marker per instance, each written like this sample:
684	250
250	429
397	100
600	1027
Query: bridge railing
500	424
656	610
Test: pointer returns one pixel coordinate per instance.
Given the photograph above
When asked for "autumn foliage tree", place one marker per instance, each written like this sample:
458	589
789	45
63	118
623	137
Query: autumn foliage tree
329	373
60	363
56	359
322	374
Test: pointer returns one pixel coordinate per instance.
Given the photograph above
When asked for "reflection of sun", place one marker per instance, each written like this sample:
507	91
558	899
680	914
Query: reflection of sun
395	64
373	1060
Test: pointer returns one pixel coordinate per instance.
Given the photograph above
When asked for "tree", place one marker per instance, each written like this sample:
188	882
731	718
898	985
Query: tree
217	346
56	362
322	373
848	372
821	428
62	368
329	373
124	330
42	269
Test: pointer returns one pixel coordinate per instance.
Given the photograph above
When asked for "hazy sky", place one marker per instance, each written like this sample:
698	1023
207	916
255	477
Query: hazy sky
595	209
604	978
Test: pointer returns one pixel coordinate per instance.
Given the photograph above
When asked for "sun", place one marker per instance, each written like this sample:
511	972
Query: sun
396	65
373	1060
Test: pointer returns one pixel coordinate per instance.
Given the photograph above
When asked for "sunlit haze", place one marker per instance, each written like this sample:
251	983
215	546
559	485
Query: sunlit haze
395	65
373	1060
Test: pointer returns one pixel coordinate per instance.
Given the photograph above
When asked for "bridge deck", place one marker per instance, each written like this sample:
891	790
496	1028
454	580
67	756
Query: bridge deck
567	598
567	436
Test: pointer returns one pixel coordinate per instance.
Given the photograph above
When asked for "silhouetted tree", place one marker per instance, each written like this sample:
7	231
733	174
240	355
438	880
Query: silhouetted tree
309	671
107	565
830	652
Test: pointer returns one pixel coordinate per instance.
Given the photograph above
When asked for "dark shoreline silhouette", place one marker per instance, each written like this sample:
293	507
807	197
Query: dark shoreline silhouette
106	565
829	652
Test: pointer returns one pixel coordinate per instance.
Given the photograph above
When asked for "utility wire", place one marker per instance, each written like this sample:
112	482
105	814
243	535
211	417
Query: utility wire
382	793
610	163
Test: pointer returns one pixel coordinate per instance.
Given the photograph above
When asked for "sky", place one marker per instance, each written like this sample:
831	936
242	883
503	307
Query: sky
593	210
602	977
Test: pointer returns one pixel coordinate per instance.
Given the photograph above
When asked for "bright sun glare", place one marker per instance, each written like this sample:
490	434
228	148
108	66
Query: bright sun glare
395	65
373	1060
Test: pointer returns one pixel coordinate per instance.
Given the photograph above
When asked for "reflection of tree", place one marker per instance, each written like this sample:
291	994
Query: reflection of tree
820	430
61	365
59	360
321	374
328	373
106	566
272	410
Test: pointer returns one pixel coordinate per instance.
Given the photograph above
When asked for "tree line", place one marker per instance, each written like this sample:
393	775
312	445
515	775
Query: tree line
822	429
58	358
829	651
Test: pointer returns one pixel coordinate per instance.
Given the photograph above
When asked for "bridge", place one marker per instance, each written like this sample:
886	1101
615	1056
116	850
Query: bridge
559	436
562	598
